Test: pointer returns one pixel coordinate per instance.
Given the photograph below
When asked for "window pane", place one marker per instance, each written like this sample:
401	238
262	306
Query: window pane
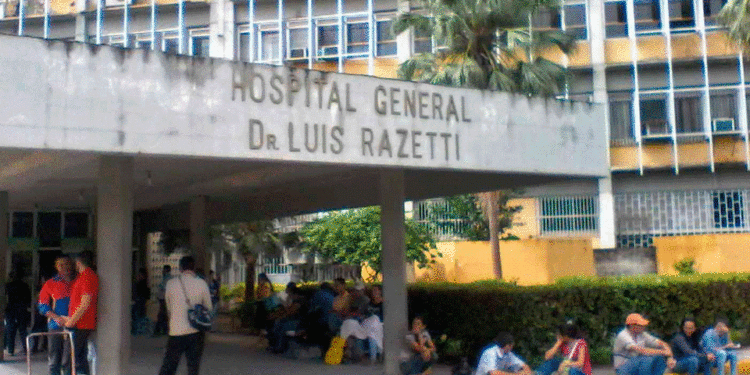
23	225
681	13
728	210
76	225
200	46
328	36
49	229
654	117
546	19
386	39
270	45
616	19
298	43
688	115
647	15
711	9
171	46
422	42
243	47
575	20
357	37
620	118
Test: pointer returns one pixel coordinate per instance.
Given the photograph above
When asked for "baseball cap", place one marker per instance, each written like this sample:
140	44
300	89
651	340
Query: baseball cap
636	319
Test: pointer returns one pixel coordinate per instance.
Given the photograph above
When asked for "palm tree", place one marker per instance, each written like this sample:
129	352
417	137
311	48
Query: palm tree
487	44
735	16
254	239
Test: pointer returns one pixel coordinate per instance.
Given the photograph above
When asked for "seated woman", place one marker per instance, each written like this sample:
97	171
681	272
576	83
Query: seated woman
687	351
266	303
570	353
422	354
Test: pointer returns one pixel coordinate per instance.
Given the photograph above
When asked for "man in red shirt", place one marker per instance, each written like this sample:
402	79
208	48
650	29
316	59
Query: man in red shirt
83	299
53	303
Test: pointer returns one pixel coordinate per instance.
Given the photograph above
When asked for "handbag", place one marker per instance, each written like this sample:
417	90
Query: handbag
198	315
335	353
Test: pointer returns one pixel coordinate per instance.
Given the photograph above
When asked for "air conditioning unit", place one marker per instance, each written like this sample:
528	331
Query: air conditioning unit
655	128
330	51
117	3
298	53
723	125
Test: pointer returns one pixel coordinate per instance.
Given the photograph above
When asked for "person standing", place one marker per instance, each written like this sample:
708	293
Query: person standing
637	352
54	300
17	311
162	326
83	300
182	293
716	341
214	288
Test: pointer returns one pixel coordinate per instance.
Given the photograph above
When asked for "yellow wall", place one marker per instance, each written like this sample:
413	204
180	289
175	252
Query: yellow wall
529	262
712	252
729	149
525	223
623	158
693	154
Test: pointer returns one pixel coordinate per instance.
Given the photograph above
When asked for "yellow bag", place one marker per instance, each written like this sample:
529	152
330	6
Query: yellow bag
335	352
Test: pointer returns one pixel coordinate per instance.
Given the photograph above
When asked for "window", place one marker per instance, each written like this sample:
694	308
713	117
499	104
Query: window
621	121
422	42
328	40
49	229
711	9
681	14
387	45
688	114
724	106
243	47
575	20
298	43
170	45
546	19
76	225
269	45
729	209
22	225
357	38
616	19
566	215
654	117
199	46
647	15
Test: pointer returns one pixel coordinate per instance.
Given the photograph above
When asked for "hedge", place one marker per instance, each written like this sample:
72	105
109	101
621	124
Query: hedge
470	315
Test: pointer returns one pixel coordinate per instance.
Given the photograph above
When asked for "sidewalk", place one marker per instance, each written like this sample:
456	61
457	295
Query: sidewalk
231	354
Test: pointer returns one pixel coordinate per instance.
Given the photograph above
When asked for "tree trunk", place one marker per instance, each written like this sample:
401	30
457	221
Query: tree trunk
491	210
250	261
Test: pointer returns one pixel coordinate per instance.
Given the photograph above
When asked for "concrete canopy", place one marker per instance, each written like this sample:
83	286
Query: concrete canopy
236	132
98	123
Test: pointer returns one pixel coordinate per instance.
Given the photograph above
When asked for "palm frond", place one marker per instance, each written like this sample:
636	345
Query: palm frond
405	21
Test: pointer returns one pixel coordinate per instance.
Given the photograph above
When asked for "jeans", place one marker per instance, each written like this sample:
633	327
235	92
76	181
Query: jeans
722	356
373	349
417	365
16	322
643	365
81	350
551	365
191	345
162	319
58	357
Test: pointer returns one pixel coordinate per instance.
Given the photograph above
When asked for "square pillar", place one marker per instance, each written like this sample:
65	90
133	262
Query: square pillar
114	234
199	233
395	313
4	252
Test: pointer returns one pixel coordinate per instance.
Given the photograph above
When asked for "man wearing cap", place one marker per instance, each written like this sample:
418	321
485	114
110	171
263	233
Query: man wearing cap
637	352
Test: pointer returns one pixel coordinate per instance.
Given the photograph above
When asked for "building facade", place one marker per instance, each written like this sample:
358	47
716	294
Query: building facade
673	84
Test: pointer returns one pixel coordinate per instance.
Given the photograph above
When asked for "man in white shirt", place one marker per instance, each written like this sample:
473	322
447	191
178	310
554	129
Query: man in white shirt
183	292
636	352
498	359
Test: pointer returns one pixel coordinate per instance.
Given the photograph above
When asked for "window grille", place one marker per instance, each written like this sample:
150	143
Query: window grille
673	213
568	216
441	218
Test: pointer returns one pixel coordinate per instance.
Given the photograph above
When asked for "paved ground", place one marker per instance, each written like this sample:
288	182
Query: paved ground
232	354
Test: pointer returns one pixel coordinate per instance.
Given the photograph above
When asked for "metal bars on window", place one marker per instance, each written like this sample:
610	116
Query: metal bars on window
670	213
568	215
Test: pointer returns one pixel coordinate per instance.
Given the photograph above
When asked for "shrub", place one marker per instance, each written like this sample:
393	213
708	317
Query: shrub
475	313
685	266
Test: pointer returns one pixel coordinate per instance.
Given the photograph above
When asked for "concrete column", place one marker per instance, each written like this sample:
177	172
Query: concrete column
404	45
4	252
222	30
597	35
199	232
113	259
394	273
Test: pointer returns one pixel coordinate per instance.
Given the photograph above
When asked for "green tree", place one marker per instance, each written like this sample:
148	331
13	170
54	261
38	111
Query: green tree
253	239
487	44
735	16
469	207
353	237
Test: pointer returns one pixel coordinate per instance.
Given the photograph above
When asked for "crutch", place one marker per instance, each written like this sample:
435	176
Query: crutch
69	336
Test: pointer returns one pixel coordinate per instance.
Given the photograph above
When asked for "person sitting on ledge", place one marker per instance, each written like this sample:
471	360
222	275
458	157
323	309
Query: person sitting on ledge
716	341
570	353
637	352
498	358
687	351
